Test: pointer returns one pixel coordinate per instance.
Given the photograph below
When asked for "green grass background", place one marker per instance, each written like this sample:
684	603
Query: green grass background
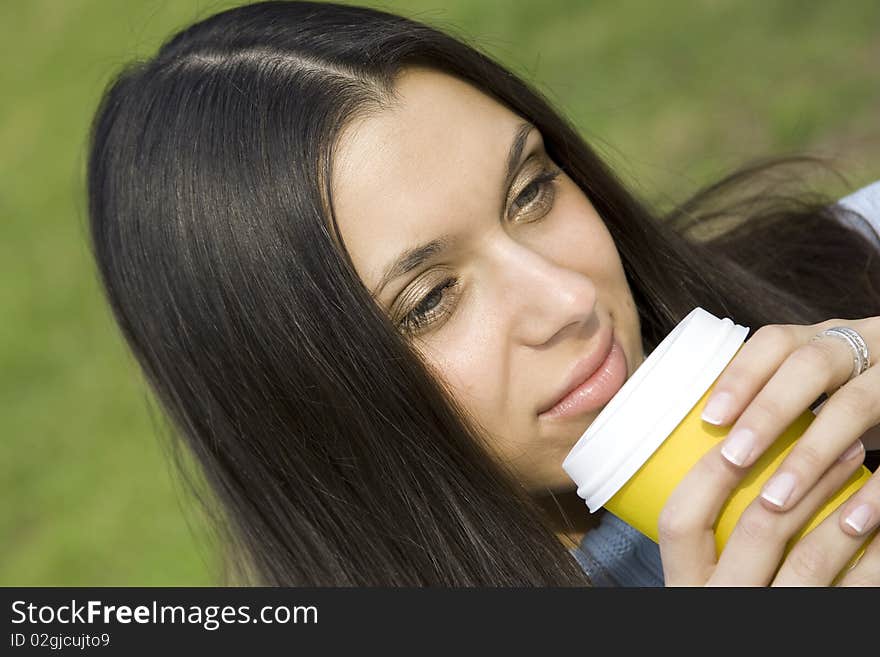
673	93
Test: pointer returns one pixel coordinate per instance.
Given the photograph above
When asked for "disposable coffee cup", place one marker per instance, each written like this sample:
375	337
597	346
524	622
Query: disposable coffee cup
650	434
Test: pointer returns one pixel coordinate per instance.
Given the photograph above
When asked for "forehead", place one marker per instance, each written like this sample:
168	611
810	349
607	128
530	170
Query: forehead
427	166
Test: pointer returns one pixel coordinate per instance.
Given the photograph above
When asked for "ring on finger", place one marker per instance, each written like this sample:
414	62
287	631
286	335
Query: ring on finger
861	357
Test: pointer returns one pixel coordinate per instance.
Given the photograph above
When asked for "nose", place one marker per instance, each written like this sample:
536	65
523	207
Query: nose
545	300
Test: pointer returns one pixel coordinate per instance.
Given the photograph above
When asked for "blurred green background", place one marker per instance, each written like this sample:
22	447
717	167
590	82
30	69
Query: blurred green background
672	93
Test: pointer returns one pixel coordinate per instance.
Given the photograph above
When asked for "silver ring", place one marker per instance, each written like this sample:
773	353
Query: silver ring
856	342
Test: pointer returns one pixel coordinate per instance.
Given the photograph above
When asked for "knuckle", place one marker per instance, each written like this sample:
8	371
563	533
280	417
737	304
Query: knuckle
767	407
808	560
757	526
829	323
778	334
857	399
673	524
806	458
681	517
819	353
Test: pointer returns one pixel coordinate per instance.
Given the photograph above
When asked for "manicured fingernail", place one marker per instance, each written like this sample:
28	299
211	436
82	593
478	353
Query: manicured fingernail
717	408
860	518
779	488
738	445
854	450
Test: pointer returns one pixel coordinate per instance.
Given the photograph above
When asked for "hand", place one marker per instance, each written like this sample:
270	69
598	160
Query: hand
752	553
775	377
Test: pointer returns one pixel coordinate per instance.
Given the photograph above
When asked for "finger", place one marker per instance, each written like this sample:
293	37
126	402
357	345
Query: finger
821	553
758	358
686	523
757	543
865	571
860	514
810	370
847	415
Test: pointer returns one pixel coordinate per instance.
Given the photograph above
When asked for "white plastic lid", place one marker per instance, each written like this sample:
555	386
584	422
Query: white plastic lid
649	405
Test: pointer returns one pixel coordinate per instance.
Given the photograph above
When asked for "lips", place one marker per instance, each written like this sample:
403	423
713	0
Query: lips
582	370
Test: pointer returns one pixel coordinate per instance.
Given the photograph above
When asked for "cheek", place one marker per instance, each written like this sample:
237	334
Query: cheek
579	240
468	360
474	379
470	373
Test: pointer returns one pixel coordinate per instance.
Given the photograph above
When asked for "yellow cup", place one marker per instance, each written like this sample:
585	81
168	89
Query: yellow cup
639	501
650	434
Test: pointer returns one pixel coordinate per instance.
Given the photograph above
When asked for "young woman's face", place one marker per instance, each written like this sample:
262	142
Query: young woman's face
528	283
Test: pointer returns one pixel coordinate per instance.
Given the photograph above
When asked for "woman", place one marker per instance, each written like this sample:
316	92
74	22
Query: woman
360	423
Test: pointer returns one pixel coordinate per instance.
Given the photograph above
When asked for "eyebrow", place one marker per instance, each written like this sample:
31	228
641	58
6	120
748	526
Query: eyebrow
413	257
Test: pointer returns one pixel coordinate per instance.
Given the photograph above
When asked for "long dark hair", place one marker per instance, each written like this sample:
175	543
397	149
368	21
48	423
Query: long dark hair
332	455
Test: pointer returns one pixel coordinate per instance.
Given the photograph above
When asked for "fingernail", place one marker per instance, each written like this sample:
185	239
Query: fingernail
738	445
859	518
779	488
854	450
717	408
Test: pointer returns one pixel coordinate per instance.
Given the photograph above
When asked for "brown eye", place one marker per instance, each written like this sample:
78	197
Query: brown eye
424	313
524	199
538	193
